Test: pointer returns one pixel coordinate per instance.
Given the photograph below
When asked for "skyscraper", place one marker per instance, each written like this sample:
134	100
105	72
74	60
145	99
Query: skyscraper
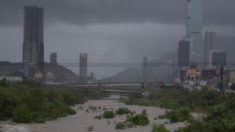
33	46
217	57
53	58
210	44
184	53
83	66
194	27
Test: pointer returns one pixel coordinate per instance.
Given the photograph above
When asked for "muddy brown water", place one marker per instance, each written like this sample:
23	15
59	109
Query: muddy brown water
83	119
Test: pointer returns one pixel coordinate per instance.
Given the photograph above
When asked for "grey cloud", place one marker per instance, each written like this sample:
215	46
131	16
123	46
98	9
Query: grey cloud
84	12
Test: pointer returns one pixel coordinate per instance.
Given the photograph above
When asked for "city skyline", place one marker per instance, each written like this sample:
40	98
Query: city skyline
113	39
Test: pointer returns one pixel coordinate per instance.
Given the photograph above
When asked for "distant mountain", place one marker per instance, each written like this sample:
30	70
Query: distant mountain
161	69
158	69
7	68
58	69
128	74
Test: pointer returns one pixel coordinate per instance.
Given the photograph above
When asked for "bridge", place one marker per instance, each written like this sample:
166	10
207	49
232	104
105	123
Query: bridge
120	85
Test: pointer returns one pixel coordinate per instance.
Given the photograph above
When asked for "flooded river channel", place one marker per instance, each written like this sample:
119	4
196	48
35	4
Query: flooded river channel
83	119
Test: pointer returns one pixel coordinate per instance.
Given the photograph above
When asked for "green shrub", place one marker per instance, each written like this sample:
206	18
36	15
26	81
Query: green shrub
162	116
108	114
71	111
129	118
122	110
130	124
21	114
140	120
120	125
9	100
184	112
40	120
174	118
144	112
98	117
93	108
90	128
160	128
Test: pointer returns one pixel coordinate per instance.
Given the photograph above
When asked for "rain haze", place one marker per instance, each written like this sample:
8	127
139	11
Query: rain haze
109	31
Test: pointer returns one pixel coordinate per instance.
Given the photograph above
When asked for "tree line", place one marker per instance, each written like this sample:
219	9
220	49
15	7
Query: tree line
28	101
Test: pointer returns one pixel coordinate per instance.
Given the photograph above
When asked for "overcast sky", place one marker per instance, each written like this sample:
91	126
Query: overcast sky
110	31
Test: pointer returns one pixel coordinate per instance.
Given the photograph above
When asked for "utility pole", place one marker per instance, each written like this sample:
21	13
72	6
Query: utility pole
173	67
168	76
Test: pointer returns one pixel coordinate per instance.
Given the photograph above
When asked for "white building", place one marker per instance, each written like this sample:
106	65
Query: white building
12	79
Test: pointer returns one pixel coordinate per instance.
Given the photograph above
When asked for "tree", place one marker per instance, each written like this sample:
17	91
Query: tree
4	83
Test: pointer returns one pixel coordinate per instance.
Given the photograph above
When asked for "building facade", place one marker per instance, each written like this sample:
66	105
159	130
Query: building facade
33	46
217	57
194	27
184	53
83	66
210	44
53	58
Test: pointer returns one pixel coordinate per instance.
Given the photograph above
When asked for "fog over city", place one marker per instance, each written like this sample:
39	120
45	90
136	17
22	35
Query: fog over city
109	31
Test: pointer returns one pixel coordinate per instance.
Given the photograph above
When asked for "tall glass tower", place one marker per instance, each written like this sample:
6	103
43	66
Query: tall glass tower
33	46
194	28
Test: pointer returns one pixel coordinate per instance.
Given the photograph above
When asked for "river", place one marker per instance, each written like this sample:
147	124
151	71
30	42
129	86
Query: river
80	121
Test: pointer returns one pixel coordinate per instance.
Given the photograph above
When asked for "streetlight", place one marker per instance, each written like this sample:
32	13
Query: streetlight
168	76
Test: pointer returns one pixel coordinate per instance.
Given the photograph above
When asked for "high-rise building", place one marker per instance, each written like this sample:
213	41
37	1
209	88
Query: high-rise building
184	53
53	58
145	68
194	27
83	66
210	44
33	46
217	58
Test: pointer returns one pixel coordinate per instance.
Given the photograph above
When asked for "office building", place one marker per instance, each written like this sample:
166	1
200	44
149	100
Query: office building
53	58
184	53
83	66
217	58
145	68
33	46
210	44
194	27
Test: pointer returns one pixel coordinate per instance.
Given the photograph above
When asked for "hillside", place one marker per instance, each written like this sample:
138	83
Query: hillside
159	67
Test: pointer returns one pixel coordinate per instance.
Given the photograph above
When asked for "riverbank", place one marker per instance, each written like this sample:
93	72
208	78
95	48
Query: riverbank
80	121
